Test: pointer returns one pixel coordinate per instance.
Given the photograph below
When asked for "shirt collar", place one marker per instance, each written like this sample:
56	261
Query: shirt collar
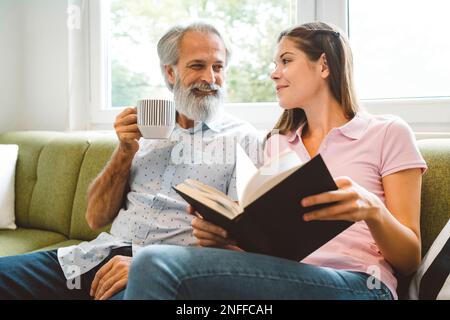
354	129
296	134
214	124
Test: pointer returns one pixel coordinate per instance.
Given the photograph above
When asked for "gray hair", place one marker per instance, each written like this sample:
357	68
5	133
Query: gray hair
168	45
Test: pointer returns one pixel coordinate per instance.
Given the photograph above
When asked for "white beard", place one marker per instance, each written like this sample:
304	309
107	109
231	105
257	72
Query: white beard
194	107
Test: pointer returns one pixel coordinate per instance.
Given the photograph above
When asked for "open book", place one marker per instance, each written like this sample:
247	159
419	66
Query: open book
268	217
251	182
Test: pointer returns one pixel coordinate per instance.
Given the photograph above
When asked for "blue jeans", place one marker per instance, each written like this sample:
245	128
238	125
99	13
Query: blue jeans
175	272
39	276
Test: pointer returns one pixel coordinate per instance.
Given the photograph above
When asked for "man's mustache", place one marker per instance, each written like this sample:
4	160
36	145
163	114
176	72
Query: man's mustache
205	87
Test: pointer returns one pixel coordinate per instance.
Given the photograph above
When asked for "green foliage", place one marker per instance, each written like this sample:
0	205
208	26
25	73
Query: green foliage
128	87
251	26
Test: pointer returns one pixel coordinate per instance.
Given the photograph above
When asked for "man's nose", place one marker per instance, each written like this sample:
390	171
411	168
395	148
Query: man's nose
209	76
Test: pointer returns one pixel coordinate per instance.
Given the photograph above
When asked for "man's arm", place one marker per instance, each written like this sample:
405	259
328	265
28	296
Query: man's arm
106	193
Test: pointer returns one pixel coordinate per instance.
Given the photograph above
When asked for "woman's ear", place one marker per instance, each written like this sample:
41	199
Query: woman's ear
170	72
325	72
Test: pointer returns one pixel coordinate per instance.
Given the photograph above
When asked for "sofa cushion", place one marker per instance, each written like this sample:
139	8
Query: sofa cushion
62	244
57	176
432	279
435	200
8	160
24	240
30	146
100	150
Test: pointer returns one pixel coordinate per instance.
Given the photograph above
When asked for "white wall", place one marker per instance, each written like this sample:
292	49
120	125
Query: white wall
9	64
44	62
33	65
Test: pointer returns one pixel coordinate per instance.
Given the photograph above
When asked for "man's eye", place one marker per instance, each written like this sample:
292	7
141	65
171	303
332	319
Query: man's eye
196	66
218	68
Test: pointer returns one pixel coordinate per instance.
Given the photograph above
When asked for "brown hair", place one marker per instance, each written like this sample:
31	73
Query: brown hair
314	39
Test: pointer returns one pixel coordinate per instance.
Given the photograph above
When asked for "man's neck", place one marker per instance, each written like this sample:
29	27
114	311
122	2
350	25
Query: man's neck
184	121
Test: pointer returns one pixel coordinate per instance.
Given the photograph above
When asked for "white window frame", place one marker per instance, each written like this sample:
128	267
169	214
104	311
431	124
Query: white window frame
424	115
102	116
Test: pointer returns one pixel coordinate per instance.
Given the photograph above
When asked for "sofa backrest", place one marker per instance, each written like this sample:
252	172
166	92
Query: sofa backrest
55	169
53	173
435	200
95	159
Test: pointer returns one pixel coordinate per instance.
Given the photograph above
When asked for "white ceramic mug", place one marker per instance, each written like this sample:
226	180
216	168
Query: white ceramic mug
156	118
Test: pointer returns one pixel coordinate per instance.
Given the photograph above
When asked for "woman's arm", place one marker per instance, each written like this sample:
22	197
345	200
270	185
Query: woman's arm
394	226
397	231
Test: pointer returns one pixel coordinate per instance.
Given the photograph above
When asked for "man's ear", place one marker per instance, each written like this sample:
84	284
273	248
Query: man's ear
170	72
325	71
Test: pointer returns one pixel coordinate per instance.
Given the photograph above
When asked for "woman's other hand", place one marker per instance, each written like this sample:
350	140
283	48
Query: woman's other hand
353	203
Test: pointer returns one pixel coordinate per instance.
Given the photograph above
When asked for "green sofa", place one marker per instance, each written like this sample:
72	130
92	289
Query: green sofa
54	170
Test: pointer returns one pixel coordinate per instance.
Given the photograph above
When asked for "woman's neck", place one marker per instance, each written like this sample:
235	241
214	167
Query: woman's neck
323	115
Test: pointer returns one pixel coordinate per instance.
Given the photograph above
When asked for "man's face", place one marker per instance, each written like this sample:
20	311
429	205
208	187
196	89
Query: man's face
202	60
199	75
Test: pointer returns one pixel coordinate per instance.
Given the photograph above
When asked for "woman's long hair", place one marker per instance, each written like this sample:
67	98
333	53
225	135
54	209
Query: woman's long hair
314	39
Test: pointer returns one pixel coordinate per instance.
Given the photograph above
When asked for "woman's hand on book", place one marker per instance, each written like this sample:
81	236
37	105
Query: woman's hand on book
210	235
353	203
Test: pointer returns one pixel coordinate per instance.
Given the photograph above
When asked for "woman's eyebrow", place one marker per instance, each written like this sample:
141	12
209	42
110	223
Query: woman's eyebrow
281	57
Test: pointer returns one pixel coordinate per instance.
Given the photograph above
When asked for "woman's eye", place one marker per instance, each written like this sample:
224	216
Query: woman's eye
285	61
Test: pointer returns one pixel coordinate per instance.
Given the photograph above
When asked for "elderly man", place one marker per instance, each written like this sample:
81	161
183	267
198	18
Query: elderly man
193	60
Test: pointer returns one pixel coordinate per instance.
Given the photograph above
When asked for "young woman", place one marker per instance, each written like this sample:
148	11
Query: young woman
377	168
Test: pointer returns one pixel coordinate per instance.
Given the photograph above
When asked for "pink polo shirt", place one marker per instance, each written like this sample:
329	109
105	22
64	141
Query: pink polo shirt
366	149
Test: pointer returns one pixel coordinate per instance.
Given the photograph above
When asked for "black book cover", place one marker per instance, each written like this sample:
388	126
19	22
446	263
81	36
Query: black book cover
273	224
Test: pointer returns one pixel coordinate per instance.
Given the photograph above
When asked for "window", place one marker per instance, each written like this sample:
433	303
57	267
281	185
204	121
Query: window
251	26
400	48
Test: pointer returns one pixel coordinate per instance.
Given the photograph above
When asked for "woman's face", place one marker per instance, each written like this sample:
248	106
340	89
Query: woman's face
297	79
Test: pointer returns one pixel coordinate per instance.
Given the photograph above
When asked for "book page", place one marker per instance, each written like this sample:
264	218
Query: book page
269	175
206	194
245	170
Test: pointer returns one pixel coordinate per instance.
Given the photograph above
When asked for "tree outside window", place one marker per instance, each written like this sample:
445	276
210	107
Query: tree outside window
251	26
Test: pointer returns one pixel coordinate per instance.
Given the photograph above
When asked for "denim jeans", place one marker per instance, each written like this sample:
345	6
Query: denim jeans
39	276
175	272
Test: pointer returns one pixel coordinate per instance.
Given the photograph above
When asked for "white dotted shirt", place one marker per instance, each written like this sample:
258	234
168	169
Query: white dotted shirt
154	213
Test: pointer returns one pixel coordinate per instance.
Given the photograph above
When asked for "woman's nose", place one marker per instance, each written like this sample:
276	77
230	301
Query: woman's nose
275	75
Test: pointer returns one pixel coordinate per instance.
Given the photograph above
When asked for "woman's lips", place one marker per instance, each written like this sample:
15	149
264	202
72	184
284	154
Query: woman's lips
279	88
